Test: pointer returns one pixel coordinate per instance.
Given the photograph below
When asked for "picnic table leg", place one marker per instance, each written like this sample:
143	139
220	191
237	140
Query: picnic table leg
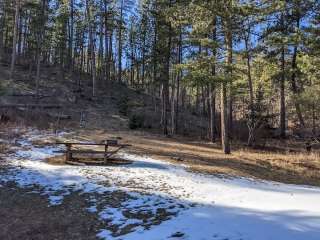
68	152
105	153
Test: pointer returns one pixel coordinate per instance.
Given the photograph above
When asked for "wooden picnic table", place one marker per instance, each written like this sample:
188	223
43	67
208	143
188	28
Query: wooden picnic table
106	153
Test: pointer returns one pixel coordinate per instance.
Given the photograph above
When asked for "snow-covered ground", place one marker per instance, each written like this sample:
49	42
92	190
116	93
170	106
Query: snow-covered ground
196	206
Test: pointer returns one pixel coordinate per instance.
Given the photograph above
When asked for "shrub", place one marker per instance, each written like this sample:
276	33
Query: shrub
123	105
2	89
136	121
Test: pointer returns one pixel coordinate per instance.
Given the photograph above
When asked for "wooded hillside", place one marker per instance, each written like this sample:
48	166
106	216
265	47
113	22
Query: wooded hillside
233	65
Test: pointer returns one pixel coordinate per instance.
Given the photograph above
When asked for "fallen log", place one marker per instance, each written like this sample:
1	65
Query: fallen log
28	106
30	95
75	163
59	116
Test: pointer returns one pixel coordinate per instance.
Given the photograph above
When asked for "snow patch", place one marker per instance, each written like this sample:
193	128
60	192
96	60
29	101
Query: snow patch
198	206
55	200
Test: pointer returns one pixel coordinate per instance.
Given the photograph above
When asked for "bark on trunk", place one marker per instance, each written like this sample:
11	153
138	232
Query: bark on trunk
2	27
71	32
120	45
225	119
212	112
14	42
165	86
92	49
212	90
39	44
282	88
106	43
293	80
282	97
251	121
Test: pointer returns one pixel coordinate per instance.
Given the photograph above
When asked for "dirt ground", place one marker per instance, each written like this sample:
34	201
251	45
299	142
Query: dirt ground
25	215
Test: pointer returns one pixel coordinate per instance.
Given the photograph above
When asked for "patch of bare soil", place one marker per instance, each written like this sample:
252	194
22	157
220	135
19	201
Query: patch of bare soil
26	215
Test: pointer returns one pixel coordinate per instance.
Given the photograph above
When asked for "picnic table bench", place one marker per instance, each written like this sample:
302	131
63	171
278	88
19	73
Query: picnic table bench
106	152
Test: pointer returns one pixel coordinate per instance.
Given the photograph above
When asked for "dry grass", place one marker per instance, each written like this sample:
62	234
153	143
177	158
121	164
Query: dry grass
286	163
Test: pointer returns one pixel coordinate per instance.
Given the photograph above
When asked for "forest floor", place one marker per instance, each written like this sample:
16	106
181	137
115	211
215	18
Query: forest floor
158	196
25	215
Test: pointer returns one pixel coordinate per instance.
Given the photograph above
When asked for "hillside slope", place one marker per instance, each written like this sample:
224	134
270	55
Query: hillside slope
112	108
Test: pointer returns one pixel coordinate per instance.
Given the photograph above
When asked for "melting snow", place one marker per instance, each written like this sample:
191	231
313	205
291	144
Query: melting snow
199	206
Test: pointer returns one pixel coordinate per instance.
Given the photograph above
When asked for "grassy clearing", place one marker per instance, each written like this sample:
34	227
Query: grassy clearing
287	163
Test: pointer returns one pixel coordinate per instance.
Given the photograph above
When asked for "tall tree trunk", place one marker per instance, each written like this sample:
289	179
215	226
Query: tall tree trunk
92	48
212	112
154	63
165	83
110	57
101	45
251	121
282	97
294	87
143	57
38	59
250	84
314	130
177	92
173	95
2	29
229	42
225	119
15	35
137	65
82	63
106	43
71	33
19	39
173	119
120	44
94	71
25	37
39	44
282	87
212	90
131	44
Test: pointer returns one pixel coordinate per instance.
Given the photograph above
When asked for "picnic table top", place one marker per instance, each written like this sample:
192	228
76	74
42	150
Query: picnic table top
78	143
81	151
92	144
